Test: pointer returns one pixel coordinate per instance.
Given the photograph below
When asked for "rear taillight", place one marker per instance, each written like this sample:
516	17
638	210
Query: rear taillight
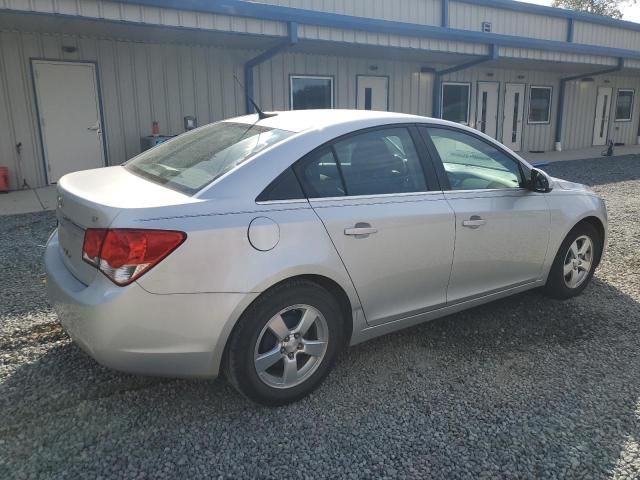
124	255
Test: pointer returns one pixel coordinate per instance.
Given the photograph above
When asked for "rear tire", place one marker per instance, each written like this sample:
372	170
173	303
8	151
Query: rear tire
285	343
575	262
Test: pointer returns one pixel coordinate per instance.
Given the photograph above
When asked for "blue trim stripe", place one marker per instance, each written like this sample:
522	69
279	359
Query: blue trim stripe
334	20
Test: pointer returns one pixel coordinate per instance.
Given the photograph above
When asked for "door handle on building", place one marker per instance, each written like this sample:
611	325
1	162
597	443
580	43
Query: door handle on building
363	229
474	222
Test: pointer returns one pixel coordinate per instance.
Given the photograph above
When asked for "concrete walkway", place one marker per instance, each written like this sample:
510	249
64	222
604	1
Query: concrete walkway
45	198
579	154
28	201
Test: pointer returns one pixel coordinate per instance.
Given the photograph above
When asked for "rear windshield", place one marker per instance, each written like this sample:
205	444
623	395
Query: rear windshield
193	160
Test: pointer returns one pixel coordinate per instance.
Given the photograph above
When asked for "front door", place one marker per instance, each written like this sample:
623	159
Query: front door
512	118
69	115
502	229
373	92
394	235
487	108
603	110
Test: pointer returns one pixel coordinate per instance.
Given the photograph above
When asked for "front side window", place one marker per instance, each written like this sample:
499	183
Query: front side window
624	105
193	160
375	162
455	102
311	92
473	164
540	104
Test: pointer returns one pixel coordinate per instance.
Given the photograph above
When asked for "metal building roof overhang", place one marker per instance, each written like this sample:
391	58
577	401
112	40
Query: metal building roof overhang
333	20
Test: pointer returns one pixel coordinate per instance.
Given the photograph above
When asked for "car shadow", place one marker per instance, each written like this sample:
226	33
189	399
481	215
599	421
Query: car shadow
547	386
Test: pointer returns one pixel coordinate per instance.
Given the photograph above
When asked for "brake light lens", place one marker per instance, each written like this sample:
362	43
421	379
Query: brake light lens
93	239
124	255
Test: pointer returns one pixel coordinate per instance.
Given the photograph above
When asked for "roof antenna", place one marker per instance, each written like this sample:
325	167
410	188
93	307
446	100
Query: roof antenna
261	115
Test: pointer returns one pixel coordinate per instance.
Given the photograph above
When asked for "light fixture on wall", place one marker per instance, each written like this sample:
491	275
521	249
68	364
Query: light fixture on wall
607	81
373	68
489	74
427	70
520	77
69	49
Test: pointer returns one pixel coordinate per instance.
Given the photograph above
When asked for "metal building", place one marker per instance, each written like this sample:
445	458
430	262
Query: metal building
81	81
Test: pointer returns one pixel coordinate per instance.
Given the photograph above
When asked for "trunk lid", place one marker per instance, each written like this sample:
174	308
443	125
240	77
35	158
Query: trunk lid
93	199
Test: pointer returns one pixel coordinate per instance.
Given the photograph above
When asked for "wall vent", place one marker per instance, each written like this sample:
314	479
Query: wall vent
487	27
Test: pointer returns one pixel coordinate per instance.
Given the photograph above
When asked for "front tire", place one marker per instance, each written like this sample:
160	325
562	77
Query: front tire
575	262
285	343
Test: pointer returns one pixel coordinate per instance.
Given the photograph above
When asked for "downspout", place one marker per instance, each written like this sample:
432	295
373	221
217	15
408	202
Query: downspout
292	39
563	86
437	79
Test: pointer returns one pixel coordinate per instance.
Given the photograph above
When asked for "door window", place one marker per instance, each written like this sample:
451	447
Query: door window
455	102
376	162
472	164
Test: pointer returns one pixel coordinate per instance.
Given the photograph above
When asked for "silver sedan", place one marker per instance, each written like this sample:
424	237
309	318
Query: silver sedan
262	246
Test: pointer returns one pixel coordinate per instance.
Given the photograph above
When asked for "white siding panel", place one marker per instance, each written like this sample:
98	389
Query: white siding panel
507	22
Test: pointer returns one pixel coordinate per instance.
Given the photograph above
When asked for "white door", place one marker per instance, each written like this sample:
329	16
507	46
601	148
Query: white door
512	118
603	110
69	110
373	93
487	108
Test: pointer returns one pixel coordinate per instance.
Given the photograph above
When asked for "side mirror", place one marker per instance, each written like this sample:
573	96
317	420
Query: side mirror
539	182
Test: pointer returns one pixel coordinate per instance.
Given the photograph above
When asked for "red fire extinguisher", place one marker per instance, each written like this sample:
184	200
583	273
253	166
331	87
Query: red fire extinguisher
4	179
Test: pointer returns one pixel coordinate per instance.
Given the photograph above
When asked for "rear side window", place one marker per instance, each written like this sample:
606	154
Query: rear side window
375	162
194	159
320	175
285	187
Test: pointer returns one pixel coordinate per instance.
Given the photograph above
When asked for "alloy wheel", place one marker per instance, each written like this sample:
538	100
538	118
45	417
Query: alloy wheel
578	261
291	346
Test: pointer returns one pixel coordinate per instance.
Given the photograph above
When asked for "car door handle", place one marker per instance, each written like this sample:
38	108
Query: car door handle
474	222
360	229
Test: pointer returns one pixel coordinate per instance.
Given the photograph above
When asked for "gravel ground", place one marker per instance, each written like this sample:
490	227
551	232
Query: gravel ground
523	387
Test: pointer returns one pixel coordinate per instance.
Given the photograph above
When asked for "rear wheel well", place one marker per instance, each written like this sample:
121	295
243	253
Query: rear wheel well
338	293
331	286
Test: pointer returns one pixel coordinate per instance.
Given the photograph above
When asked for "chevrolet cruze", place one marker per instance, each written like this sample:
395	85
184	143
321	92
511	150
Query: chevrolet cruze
262	245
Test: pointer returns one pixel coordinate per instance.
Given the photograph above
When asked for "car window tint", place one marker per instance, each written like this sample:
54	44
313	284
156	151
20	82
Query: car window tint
472	164
380	162
319	175
285	187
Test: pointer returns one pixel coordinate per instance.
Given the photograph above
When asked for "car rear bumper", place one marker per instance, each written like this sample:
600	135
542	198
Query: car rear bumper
132	330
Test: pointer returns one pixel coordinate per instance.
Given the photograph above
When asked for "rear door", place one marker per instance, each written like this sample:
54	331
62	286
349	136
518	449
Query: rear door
388	221
69	115
502	228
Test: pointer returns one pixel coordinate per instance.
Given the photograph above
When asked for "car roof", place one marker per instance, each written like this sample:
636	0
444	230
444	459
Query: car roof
301	120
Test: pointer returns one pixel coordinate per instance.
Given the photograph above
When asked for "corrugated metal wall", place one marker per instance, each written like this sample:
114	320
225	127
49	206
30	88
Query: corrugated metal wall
121	11
507	22
164	82
602	35
410	90
427	12
534	137
139	83
580	107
